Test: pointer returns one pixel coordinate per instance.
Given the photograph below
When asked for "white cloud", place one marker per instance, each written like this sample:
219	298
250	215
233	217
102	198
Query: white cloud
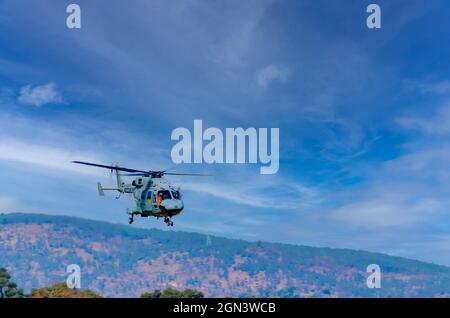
383	212
439	123
442	87
227	193
265	76
8	204
408	192
42	156
231	43
258	192
424	163
40	95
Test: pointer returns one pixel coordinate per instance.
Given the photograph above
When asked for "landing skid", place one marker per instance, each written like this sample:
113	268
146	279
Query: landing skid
168	221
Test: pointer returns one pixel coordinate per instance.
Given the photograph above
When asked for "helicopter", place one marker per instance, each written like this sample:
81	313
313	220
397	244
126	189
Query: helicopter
153	195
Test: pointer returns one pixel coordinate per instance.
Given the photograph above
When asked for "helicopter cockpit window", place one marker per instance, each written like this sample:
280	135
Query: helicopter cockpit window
165	194
176	195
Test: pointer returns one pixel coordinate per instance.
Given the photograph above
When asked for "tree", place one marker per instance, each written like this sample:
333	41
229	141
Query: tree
8	289
61	290
192	293
156	294
173	293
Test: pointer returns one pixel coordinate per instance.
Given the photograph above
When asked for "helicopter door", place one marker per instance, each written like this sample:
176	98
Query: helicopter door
154	203
149	196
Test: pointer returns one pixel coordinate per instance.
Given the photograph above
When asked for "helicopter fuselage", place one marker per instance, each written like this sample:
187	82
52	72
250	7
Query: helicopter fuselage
153	195
156	197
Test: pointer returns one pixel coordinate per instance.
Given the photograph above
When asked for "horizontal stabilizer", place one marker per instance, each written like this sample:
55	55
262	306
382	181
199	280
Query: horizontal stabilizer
100	189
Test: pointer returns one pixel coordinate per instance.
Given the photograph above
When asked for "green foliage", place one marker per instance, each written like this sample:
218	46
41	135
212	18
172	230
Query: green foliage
8	289
155	294
61	290
191	293
173	293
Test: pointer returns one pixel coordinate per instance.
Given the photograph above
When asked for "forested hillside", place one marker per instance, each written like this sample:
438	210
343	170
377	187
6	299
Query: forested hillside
119	260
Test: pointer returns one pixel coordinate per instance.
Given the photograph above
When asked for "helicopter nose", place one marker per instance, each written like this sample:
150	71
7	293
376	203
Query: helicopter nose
173	205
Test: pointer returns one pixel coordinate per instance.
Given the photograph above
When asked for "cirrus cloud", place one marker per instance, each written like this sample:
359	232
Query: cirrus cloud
271	73
40	95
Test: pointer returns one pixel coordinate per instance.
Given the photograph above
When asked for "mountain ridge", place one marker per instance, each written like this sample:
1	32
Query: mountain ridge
122	261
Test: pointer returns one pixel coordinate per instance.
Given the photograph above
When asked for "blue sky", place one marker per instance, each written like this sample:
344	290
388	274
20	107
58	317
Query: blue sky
364	115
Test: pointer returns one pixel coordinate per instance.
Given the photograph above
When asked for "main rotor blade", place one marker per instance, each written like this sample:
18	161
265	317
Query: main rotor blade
135	172
165	172
111	167
187	174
